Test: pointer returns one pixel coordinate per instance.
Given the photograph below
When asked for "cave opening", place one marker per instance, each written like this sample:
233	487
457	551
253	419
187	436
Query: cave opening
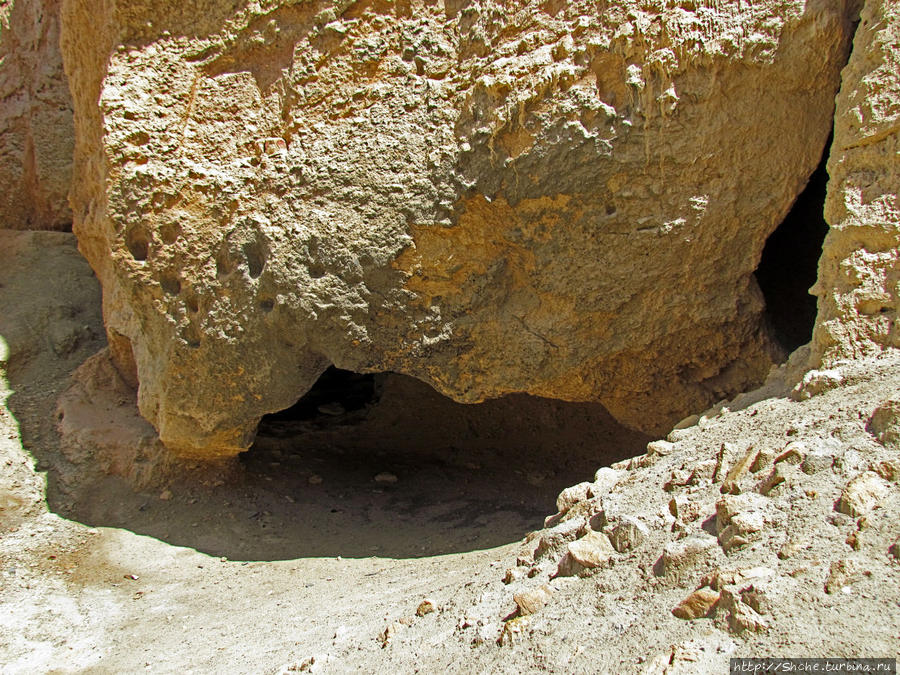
789	264
410	472
337	396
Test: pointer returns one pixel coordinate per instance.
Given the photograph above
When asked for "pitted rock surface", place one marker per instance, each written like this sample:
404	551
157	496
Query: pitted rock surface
563	199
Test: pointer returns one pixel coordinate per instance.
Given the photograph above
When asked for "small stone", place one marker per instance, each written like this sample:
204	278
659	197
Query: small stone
512	630
862	494
303	666
679	556
793	453
730	506
684	509
628	534
748	522
780	474
894	550
816	461
725	450
605	480
589	552
572	495
387	635
731	483
337	28
704	471
839	519
764	458
427	606
737	615
533	600
679	478
720	578
385	477
842	574
315	479
738	521
760	596
789	549
697	605
660	448
888	469
513	574
333	409
884	424
851	463
658	665
165	495
687	422
554	540
817	382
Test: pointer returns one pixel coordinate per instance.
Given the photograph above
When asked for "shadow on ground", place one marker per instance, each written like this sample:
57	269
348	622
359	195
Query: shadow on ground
408	473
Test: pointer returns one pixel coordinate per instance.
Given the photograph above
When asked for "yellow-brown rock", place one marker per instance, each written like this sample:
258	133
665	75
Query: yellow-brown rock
565	199
37	137
859	272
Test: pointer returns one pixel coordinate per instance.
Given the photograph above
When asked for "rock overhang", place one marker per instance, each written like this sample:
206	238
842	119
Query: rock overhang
573	209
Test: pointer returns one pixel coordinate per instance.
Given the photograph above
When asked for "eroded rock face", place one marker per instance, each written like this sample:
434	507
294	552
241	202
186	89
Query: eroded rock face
859	272
556	198
37	136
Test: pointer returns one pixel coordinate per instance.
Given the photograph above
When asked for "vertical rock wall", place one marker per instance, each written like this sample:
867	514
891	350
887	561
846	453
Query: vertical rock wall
36	128
859	273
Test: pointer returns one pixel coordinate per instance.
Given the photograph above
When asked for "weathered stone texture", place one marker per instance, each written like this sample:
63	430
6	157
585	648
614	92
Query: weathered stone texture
36	129
859	272
566	199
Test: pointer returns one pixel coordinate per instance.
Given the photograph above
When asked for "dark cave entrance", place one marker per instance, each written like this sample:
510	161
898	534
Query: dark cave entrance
789	263
338	396
411	472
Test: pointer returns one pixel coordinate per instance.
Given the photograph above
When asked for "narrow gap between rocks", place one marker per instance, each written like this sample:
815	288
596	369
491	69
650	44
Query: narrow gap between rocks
789	263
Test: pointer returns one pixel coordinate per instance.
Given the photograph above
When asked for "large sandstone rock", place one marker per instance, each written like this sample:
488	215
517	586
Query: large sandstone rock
563	199
859	272
36	131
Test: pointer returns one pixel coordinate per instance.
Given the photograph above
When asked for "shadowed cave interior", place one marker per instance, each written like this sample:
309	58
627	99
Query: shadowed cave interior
789	264
388	451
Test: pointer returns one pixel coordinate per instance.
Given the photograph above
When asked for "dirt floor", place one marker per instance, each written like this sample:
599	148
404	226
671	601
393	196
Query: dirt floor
314	550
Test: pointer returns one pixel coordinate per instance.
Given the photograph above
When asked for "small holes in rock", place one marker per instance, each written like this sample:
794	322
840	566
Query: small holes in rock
170	284
139	138
316	270
267	305
170	233
610	210
224	264
192	304
192	336
256	259
138	243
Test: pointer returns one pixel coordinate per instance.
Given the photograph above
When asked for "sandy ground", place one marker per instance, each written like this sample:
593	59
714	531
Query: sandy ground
296	558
